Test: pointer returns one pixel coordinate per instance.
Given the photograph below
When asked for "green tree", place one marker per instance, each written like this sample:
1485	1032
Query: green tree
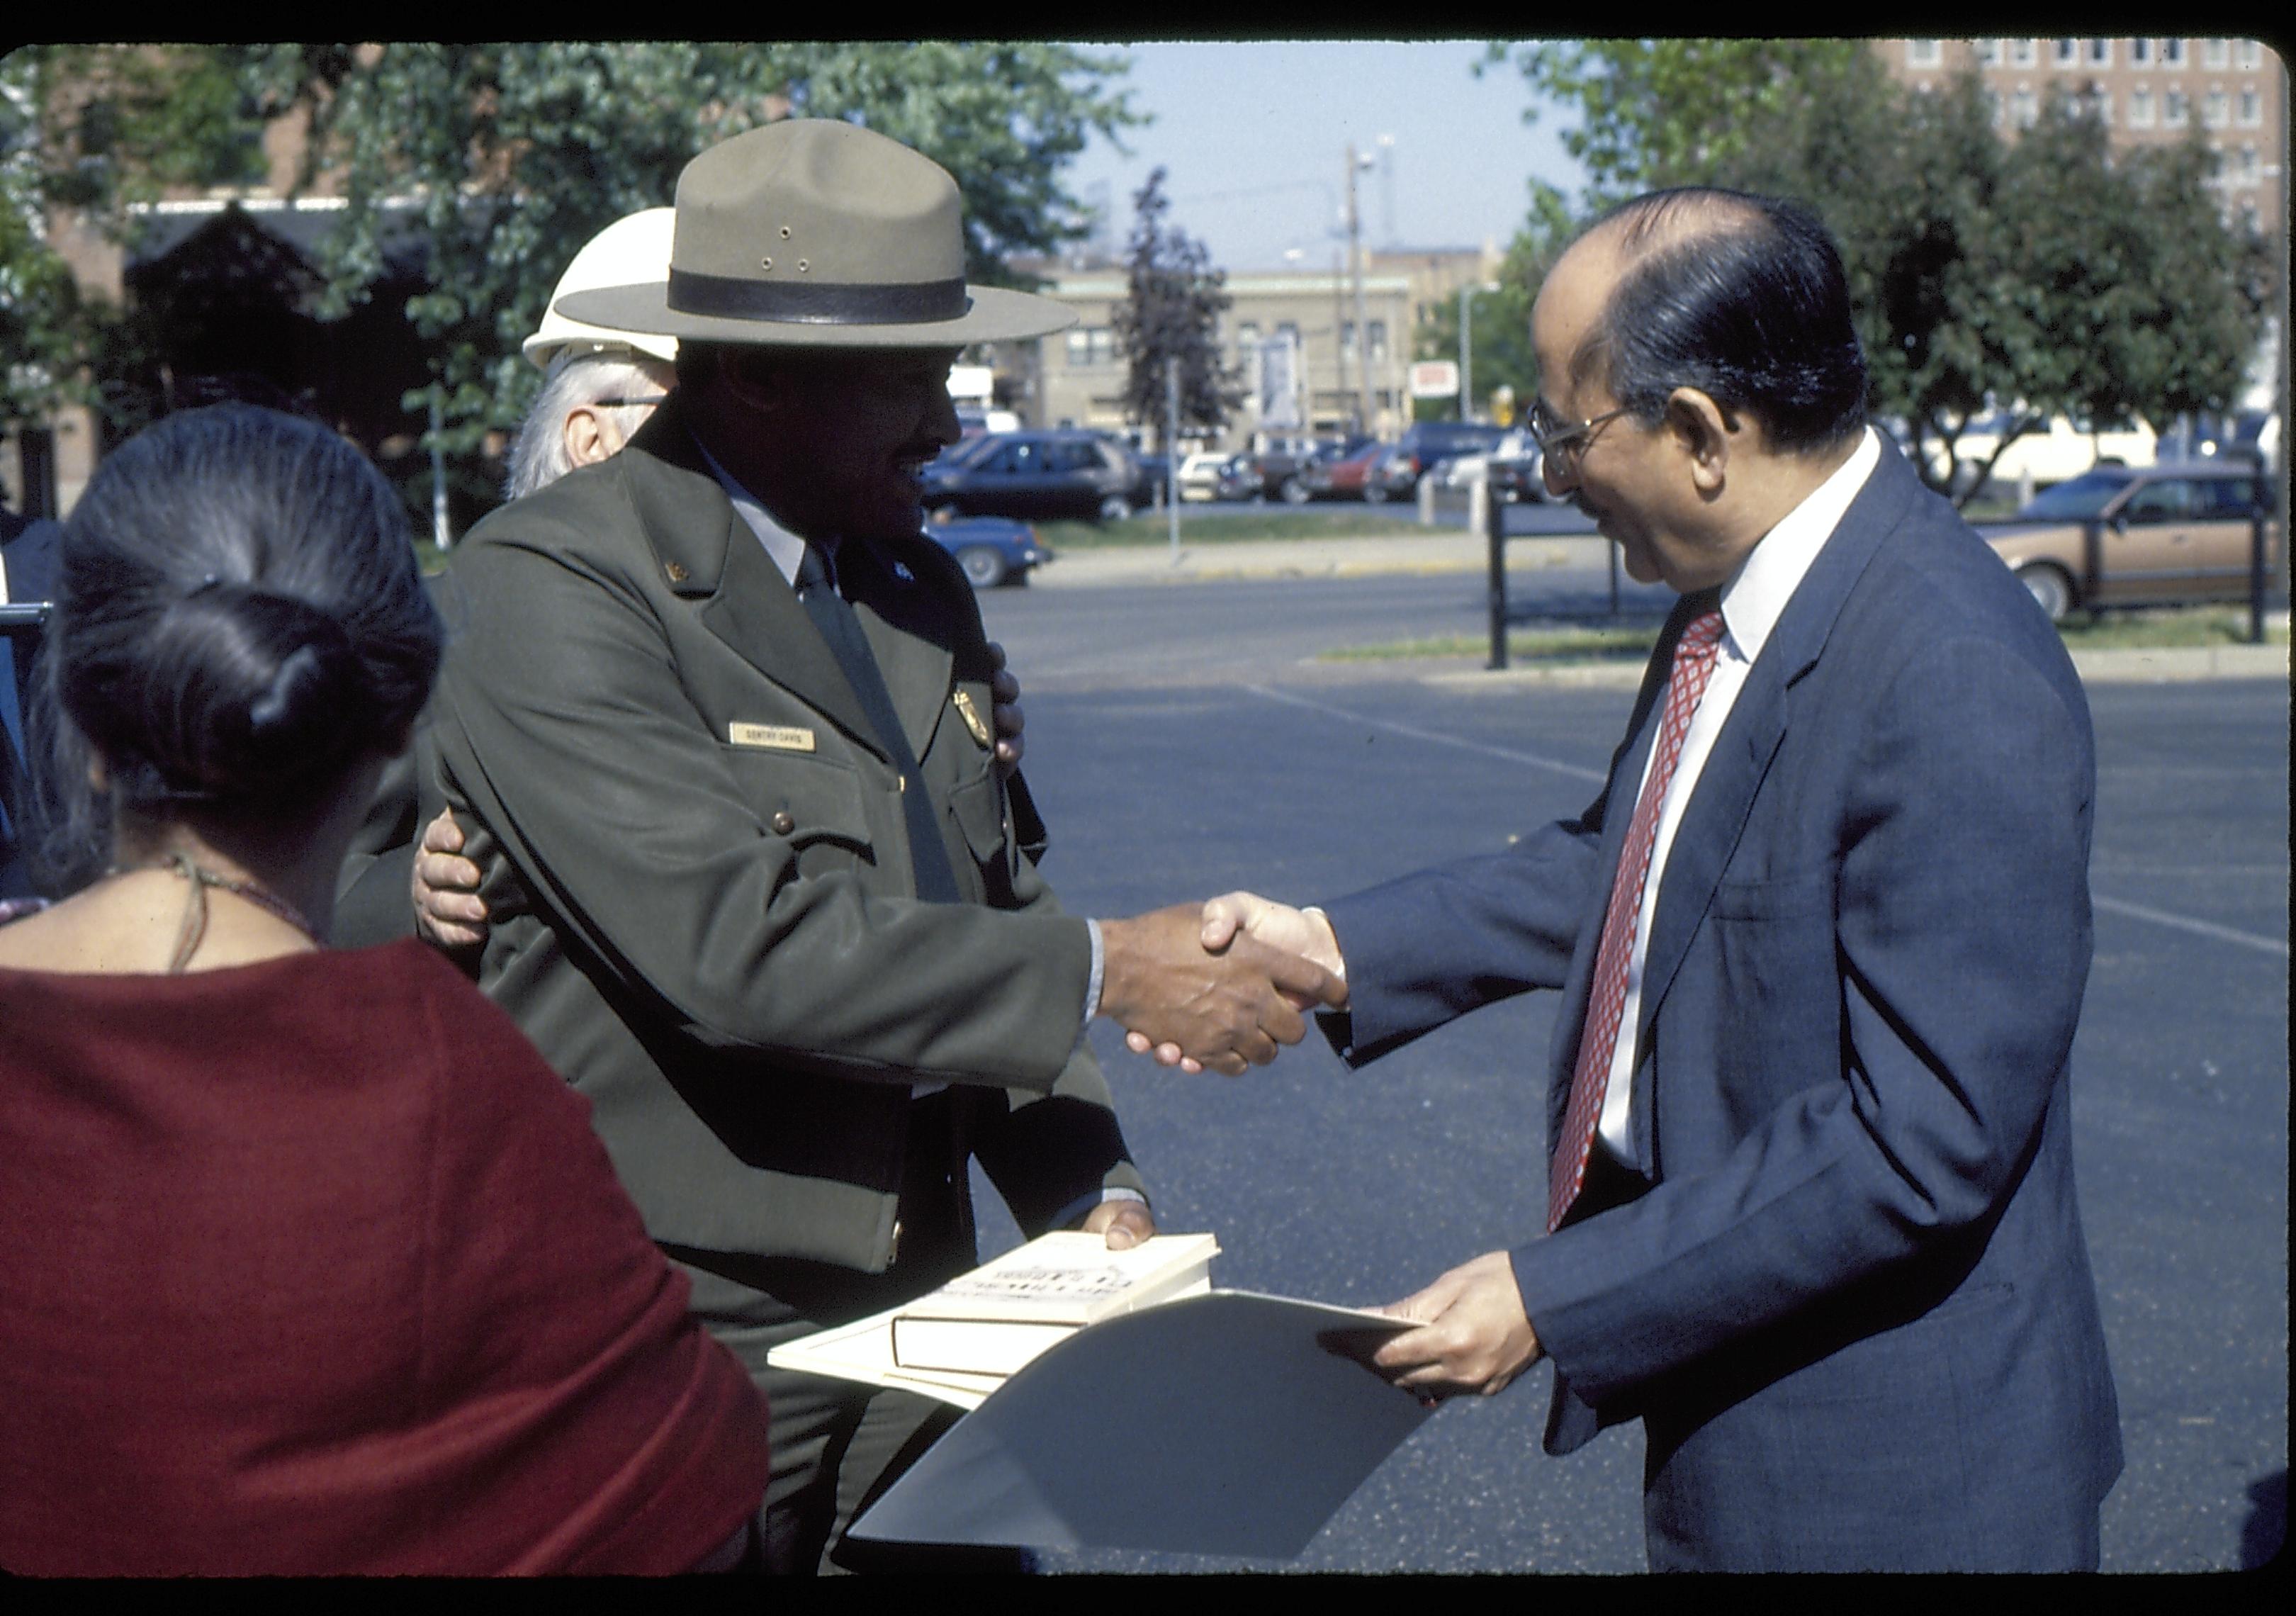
2036	275
1170	316
513	155
85	131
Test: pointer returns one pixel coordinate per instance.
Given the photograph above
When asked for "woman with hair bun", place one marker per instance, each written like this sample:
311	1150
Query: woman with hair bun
312	1266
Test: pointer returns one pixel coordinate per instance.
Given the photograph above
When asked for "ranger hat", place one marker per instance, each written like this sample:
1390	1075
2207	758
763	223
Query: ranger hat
814	233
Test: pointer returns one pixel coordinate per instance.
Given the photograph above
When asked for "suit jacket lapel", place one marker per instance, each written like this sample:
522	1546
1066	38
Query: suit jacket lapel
707	552
1715	815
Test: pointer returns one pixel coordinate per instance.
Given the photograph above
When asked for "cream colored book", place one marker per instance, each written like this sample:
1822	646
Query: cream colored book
862	1350
1039	1287
1005	1313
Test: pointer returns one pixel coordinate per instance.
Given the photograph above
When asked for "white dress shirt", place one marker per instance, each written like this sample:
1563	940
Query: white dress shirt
1752	603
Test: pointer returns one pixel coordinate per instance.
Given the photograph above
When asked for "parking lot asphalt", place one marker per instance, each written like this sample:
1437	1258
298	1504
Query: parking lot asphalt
1413	551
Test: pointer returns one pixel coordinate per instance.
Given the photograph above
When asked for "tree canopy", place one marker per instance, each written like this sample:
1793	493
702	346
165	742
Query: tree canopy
2037	273
1171	315
489	165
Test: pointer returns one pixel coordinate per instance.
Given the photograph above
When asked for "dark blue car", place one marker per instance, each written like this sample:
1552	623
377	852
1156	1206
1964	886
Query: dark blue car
992	550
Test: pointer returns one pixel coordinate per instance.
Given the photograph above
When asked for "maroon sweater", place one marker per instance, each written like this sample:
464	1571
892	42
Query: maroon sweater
313	1266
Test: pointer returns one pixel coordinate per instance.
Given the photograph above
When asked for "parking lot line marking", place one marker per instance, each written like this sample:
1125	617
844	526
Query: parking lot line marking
2246	939
2158	917
1436	736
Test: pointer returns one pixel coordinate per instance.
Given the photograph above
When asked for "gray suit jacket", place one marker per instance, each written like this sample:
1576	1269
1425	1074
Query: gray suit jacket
1852	1304
697	865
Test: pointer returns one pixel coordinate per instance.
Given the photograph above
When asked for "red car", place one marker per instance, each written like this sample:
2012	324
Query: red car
1345	479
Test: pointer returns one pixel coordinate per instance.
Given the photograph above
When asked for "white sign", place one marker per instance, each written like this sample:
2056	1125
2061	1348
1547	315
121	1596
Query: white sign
1278	393
1435	378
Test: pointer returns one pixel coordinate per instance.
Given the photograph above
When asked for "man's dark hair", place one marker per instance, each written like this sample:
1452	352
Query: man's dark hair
1741	297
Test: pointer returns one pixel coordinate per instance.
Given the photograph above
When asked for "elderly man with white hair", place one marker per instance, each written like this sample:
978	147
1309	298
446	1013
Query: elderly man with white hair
601	385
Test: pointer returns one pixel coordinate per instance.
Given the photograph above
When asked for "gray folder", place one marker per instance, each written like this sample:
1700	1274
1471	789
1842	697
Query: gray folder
1228	1423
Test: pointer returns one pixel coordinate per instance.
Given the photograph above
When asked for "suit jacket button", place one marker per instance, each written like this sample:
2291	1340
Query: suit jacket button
782	824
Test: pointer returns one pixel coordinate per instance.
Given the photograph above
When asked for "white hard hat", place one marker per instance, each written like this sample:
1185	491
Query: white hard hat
631	251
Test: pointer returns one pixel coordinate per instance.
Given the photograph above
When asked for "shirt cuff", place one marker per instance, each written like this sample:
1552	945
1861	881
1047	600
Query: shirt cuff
1074	1212
1092	982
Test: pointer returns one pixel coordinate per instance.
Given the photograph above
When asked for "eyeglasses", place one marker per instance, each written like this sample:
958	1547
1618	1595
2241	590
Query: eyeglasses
615	404
1559	442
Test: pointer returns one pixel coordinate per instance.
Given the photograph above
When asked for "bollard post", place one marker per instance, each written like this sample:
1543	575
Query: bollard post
2092	563
1483	515
2256	577
1427	504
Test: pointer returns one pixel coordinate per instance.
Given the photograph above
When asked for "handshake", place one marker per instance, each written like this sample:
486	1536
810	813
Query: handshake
1219	986
1214	987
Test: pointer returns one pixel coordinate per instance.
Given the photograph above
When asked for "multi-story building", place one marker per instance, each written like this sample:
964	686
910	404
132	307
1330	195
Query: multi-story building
2148	92
1344	381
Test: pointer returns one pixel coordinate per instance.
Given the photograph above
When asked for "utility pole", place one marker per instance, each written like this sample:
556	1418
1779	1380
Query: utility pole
1355	262
1172	451
1466	350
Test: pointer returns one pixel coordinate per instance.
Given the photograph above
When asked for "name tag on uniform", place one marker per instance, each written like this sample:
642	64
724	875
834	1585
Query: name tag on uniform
775	737
971	715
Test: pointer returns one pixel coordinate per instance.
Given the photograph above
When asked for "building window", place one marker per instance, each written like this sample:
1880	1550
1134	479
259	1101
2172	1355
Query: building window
2251	54
2248	170
2216	111
1347	339
2216	53
2100	105
2251	108
1377	329
1988	53
2142	54
2021	53
2140	109
2025	109
2099	53
2172	52
2175	111
1925	53
2064	52
1090	345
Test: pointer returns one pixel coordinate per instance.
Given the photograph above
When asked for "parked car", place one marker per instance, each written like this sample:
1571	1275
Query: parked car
1149	472
1272	471
1199	474
2053	454
1343	477
1240	481
1423	446
1511	468
993	550
2180	531
1034	476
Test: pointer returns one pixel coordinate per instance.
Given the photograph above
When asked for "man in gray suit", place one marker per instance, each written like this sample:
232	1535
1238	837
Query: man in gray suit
1821	941
718	720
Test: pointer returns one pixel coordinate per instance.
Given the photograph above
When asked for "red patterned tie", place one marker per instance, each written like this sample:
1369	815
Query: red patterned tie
1598	1040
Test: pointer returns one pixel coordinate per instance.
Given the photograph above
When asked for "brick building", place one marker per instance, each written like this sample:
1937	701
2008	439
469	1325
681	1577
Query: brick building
2148	92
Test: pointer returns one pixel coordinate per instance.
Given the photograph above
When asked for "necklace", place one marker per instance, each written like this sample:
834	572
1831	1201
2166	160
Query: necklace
195	910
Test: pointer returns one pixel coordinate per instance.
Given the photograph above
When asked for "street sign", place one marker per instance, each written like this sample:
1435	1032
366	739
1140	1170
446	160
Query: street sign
1435	378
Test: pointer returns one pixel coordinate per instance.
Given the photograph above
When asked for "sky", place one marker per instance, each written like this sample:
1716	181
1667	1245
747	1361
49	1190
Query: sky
1254	135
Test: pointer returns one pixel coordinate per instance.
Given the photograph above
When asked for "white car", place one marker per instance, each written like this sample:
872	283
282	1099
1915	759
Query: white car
1199	474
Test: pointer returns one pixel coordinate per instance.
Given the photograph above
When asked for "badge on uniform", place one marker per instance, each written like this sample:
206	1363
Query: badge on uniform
775	737
972	716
